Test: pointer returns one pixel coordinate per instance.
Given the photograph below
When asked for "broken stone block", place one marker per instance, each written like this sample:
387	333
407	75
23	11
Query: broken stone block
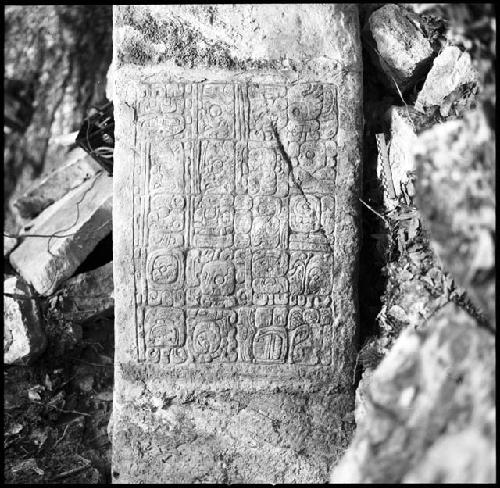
397	44
455	189
396	167
434	391
54	186
86	295
24	339
451	84
236	239
82	218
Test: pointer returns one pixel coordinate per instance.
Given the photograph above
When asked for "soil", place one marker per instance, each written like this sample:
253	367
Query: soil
56	413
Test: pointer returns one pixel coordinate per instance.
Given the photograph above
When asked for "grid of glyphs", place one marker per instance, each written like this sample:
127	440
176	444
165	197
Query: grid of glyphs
234	229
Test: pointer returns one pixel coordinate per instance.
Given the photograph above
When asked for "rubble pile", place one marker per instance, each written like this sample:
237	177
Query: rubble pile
58	321
426	399
64	217
55	417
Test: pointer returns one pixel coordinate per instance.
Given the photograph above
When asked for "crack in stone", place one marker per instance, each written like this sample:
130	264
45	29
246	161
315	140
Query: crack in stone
296	181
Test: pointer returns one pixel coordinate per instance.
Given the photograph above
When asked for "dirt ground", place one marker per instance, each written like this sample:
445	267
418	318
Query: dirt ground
56	413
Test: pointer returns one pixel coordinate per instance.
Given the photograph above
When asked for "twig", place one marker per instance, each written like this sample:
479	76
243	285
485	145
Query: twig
92	364
20	297
62	410
16	236
56	235
77	211
376	213
62	385
65	474
62	437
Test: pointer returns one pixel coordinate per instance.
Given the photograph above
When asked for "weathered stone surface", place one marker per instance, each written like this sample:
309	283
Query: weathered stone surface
451	84
463	457
398	46
50	189
397	167
236	234
456	192
24	339
434	391
86	295
83	217
9	243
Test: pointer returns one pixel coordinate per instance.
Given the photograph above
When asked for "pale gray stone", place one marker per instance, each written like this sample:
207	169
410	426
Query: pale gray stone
466	456
83	217
86	296
24	339
401	163
236	238
456	192
9	243
397	44
428	410
450	84
54	186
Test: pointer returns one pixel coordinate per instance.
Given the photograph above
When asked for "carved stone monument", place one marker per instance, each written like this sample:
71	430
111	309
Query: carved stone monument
236	234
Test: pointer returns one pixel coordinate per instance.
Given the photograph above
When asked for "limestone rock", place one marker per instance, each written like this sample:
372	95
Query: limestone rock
361	404
398	46
24	339
54	186
456	194
9	243
86	295
401	168
465	455
83	217
235	265
434	391
451	84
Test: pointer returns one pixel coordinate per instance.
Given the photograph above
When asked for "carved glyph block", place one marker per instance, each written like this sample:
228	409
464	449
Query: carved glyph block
236	235
222	208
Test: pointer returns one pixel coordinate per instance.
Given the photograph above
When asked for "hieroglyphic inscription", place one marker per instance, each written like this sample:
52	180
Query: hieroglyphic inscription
233	241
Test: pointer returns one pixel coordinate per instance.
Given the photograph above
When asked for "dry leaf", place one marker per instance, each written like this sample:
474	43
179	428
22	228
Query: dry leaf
15	429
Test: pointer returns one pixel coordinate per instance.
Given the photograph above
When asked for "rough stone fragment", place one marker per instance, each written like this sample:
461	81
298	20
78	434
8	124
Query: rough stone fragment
86	295
9	243
24	339
463	457
398	174
398	46
236	234
83	217
456	193
54	186
451	84
434	391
